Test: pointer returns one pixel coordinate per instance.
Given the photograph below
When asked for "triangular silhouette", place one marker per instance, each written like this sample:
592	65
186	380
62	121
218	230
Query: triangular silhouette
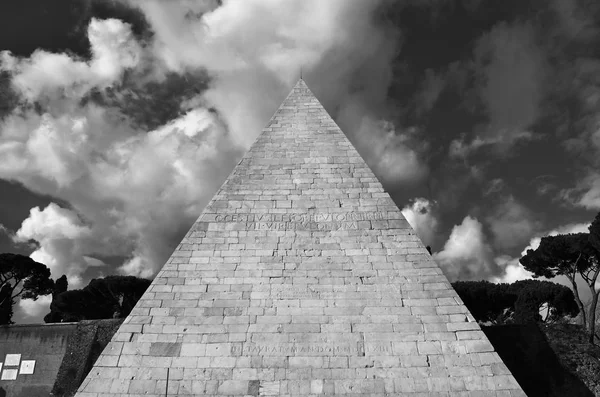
301	277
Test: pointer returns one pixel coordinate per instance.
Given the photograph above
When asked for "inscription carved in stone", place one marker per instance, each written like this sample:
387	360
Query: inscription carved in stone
305	226
299	221
303	218
292	292
316	349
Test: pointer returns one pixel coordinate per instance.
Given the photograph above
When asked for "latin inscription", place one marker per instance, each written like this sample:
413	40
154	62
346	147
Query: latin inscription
315	349
292	292
304	226
317	221
302	218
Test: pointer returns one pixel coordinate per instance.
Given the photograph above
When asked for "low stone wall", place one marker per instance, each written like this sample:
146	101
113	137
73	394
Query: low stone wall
41	360
43	345
83	349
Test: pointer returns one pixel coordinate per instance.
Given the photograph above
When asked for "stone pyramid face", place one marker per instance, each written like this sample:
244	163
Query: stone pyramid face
300	278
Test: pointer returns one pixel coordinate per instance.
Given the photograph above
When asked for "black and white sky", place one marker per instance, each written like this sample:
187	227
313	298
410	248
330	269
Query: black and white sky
119	119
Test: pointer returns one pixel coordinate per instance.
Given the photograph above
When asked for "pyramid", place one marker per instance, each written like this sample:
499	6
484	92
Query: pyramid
301	277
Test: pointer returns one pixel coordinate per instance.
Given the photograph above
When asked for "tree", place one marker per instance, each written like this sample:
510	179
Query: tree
21	276
519	302
6	310
487	302
60	285
533	295
569	255
109	297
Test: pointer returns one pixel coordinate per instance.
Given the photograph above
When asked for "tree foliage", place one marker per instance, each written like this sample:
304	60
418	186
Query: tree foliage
532	295
519	302
570	255
109	297
21	276
486	301
60	285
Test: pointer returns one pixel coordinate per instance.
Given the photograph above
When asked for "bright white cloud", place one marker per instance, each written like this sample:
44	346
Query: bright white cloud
113	47
48	75
513	271
35	309
466	255
61	237
252	76
52	221
420	214
140	190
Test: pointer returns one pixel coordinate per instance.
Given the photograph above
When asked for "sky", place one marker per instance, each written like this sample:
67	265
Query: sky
119	120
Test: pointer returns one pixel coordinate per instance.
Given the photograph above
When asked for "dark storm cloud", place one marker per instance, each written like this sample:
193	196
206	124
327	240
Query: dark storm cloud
59	25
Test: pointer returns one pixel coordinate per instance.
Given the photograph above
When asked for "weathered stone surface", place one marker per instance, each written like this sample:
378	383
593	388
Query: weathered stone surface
301	278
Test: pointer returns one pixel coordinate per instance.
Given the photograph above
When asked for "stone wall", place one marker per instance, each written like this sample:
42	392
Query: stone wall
83	349
45	344
59	356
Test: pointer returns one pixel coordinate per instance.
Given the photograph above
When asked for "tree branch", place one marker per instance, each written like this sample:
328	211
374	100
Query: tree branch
585	276
576	291
3	283
7	296
547	311
20	292
595	277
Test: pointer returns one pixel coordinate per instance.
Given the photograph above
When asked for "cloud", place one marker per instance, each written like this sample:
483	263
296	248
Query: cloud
513	271
49	75
287	38
511	223
545	184
432	87
534	243
420	214
352	54
6	231
576	21
134	191
459	148
496	185
35	309
467	255
586	193
512	89
61	236
511	69
388	153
